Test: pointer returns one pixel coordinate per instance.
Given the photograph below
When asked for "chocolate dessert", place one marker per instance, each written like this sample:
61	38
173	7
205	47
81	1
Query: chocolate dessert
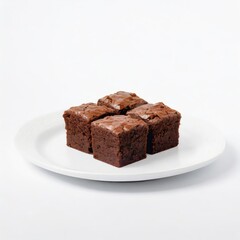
163	125
121	101
119	140
121	128
78	124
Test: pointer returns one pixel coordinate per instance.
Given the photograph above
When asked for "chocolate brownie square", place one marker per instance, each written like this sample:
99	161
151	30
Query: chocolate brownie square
78	124
119	140
163	125
121	101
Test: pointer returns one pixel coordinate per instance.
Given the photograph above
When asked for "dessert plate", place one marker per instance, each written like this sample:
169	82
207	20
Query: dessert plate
42	141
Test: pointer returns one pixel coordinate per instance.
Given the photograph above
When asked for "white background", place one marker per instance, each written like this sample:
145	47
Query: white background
56	54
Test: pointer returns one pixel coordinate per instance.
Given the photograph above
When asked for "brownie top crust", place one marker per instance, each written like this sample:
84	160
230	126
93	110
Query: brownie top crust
121	101
153	112
89	112
119	123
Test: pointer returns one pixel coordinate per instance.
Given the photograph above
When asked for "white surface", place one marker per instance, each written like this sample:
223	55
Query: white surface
42	141
55	54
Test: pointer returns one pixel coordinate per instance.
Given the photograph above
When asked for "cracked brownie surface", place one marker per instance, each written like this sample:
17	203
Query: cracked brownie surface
121	101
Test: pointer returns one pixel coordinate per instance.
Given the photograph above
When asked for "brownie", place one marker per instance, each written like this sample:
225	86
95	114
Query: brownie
163	125
78	124
121	101
119	140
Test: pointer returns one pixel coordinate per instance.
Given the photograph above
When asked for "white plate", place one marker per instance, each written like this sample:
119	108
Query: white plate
42	141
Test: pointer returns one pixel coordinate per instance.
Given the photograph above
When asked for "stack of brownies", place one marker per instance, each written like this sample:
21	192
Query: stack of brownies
121	128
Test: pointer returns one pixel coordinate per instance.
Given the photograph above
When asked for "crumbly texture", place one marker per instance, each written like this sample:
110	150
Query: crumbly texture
121	101
119	140
78	124
163	123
